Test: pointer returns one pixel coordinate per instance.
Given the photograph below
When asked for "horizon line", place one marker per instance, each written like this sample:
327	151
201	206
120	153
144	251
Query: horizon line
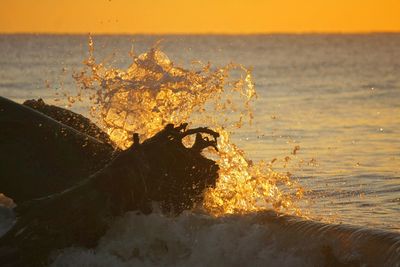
205	33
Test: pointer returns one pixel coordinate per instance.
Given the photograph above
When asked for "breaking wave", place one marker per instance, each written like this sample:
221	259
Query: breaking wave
261	239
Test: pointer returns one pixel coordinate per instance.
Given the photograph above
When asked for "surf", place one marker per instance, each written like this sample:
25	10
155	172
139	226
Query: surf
252	217
264	238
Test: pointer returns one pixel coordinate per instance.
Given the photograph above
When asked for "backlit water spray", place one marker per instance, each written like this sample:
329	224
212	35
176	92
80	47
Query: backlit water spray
152	92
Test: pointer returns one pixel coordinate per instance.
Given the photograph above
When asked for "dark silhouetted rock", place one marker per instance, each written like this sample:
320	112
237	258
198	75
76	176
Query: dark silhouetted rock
70	118
161	169
40	156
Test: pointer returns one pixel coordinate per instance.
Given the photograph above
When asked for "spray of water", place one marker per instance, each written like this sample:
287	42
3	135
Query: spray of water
152	92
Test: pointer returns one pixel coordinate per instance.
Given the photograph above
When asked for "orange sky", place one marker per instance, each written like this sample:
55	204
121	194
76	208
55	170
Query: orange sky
203	16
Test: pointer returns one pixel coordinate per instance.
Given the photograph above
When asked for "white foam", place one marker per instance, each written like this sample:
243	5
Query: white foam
188	240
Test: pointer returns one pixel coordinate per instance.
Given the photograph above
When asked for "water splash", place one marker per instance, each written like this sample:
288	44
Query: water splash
152	92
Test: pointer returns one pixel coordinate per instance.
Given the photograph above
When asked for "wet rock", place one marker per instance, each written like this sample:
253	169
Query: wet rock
160	169
40	156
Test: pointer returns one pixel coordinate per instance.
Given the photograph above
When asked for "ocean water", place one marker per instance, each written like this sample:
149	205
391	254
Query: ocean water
334	97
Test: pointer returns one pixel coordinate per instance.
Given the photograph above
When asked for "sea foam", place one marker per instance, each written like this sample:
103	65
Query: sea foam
255	239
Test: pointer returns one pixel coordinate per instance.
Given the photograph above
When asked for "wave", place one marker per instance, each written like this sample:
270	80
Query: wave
257	239
152	92
264	238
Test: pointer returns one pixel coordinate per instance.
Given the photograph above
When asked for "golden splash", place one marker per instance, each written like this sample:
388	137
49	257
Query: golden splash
152	92
247	187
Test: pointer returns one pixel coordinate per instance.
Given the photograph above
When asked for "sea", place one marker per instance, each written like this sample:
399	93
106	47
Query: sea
327	113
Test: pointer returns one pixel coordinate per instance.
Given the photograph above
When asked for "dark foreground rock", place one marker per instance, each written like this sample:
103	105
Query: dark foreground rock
161	169
40	156
69	118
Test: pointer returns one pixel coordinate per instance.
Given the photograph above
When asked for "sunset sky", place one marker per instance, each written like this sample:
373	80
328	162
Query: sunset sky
206	16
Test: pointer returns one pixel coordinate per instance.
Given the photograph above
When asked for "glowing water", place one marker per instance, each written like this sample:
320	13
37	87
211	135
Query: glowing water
152	92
